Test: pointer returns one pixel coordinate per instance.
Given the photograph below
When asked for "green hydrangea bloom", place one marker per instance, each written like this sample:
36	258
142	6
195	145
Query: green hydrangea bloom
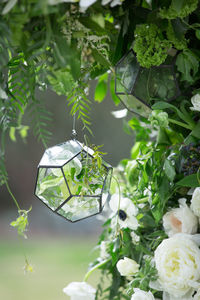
179	44
159	118
171	13
150	46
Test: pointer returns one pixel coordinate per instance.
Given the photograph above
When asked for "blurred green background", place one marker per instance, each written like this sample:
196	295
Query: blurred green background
59	251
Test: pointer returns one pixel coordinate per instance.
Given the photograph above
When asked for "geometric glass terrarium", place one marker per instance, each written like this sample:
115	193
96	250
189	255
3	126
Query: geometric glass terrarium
139	88
70	181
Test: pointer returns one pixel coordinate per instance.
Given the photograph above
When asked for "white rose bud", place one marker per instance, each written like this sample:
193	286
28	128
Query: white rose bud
80	291
177	261
142	295
103	250
127	267
180	219
195	102
195	202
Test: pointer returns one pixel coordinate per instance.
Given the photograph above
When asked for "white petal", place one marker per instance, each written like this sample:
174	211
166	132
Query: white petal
84	4
118	114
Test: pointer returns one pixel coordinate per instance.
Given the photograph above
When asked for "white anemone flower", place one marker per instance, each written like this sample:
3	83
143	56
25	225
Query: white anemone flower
195	102
126	210
80	291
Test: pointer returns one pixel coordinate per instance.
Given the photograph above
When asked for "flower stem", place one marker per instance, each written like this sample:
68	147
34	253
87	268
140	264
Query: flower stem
180	123
118	203
12	196
95	268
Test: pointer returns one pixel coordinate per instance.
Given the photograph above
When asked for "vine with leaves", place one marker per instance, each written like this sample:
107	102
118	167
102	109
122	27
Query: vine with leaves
64	45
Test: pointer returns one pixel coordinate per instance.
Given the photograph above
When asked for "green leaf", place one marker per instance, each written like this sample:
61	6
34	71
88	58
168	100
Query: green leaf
100	91
21	222
169	170
161	105
12	134
196	131
189	181
100	58
177	4
187	64
135	150
197	32
23	131
112	91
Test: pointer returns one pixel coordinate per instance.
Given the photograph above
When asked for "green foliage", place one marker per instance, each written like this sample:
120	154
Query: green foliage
101	88
188	65
21	222
150	45
78	99
179	9
53	44
189	181
179	42
62	82
40	118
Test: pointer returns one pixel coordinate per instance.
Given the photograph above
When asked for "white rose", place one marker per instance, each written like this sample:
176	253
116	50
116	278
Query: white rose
180	220
126	210
195	202
127	267
195	102
80	291
177	261
142	295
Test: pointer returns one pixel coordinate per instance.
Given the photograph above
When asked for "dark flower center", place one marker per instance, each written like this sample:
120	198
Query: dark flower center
122	215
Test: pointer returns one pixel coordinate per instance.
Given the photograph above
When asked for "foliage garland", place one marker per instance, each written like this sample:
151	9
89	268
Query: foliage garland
64	45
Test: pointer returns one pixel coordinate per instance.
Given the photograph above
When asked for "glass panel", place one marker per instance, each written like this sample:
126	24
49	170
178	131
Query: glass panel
106	188
78	208
60	154
126	73
163	86
51	187
83	175
134	105
141	88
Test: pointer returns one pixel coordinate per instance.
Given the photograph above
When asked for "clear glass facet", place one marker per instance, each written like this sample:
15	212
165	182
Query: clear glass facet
51	187
60	154
80	207
83	175
135	105
163	84
126	73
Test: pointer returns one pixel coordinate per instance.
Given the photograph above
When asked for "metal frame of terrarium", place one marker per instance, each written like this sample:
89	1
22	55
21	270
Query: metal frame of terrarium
131	92
88	153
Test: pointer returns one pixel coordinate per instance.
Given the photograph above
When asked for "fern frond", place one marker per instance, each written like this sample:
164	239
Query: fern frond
18	82
40	120
81	106
5	45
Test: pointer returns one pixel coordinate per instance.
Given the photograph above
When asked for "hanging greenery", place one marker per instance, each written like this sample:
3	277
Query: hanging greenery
149	247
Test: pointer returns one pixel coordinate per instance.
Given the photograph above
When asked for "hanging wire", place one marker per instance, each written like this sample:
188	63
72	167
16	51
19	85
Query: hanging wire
74	133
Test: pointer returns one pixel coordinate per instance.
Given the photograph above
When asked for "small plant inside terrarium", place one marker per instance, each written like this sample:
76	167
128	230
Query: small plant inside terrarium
73	180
